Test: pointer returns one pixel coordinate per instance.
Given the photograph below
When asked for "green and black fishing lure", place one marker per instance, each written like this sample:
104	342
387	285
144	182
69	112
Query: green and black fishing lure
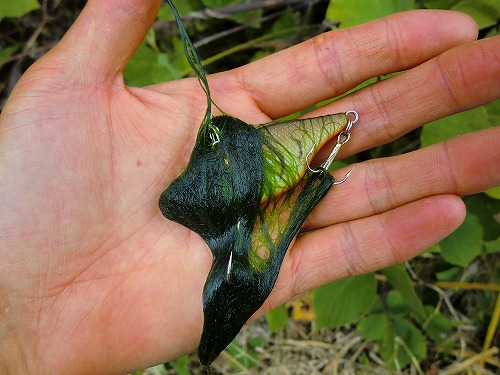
246	191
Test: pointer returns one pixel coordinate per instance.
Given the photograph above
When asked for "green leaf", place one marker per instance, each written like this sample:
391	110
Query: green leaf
493	110
399	279
7	52
387	345
250	17
487	210
464	244
17	8
396	304
343	301
377	306
484	12
412	337
450	274
401	342
181	365
493	193
492	246
277	318
184	7
286	22
440	4
373	327
355	12
437	326
148	67
433	249
453	126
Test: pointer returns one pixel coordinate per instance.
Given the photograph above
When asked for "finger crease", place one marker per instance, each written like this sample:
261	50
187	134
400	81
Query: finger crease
351	251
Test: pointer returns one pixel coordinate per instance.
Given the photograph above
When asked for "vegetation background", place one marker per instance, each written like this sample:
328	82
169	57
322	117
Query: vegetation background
438	313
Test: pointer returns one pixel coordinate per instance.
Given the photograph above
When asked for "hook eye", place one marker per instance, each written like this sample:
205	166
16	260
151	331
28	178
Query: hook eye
355	119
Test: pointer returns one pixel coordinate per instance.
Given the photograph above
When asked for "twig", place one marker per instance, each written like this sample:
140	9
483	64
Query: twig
492	327
32	39
467	364
240	47
468	286
358	352
23	54
454	285
225	11
454	314
233	30
399	341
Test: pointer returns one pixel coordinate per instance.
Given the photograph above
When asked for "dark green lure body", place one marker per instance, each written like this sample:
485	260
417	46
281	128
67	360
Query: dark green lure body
245	192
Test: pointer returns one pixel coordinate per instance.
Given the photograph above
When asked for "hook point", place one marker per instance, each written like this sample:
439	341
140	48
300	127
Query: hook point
345	177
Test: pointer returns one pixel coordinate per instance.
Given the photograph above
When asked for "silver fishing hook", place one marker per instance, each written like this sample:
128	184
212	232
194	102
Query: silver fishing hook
342	139
345	177
307	161
229	267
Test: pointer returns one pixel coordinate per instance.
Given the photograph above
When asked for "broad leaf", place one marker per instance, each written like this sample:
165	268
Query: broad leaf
451	274
464	244
453	126
487	210
181	365
148	67
399	279
355	12
401	342
493	193
493	111
396	304
184	7
251	17
17	8
492	246
437	326
373	327
485	13
277	318
440	4
344	301
7	52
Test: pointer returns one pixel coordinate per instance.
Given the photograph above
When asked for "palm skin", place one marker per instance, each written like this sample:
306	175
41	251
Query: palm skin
95	280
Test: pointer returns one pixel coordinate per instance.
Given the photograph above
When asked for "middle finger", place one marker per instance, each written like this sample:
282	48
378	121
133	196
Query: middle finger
381	185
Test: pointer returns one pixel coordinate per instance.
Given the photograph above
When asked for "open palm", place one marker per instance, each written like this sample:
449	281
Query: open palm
93	278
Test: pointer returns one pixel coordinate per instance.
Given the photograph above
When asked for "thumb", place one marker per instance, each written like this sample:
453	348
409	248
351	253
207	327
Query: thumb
104	37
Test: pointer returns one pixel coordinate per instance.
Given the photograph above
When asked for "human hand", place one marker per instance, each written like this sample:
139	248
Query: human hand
95	280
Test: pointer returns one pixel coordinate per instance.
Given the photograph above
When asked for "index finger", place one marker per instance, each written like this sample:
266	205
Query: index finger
334	62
